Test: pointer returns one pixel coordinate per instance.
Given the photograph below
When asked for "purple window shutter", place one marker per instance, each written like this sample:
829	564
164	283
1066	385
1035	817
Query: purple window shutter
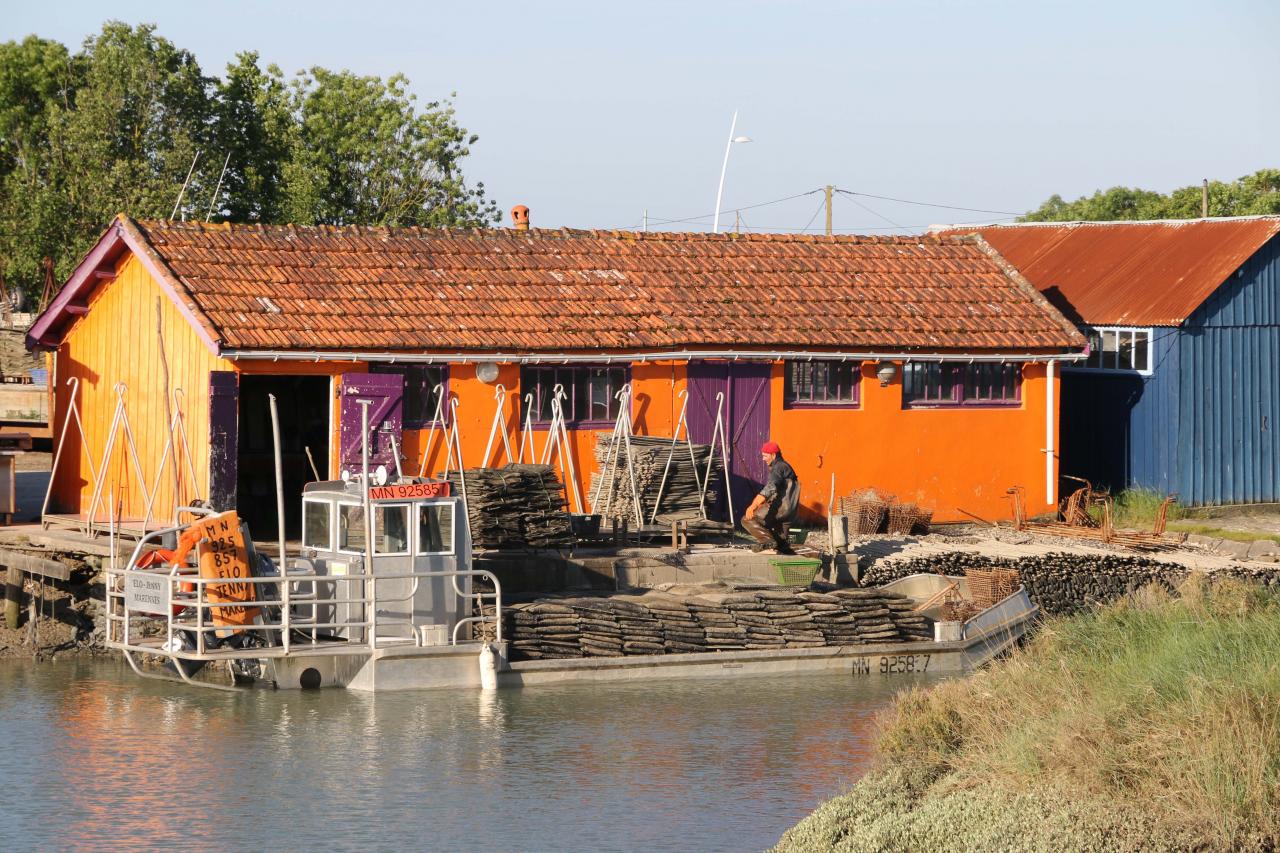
224	399
420	380
385	391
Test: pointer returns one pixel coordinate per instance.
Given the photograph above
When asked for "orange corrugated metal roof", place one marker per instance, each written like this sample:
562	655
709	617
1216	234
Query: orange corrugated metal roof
252	287
1129	273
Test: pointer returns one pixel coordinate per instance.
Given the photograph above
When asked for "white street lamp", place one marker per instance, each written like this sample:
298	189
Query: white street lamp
715	225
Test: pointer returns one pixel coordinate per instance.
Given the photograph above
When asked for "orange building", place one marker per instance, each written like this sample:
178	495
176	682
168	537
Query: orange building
924	366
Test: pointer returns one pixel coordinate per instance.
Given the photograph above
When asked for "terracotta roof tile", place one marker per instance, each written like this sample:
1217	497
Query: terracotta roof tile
381	289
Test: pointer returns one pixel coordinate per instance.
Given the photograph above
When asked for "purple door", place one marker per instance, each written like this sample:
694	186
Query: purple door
385	393
745	385
224	419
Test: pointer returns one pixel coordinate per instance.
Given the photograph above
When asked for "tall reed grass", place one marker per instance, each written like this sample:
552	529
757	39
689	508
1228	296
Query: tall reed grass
1154	718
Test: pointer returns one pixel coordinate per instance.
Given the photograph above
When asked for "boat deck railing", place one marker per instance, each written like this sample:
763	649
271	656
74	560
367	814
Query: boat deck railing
187	616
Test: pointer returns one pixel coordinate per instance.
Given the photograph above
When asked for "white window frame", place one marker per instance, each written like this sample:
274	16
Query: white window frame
408	534
453	530
337	531
333	525
1090	331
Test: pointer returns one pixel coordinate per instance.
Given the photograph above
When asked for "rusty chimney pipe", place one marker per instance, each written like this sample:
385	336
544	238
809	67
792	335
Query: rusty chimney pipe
520	217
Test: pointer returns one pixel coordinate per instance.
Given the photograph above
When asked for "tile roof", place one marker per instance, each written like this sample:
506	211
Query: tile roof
1128	273
410	289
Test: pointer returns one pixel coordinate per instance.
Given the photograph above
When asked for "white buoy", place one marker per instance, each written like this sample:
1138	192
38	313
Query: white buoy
838	533
837	526
488	667
948	632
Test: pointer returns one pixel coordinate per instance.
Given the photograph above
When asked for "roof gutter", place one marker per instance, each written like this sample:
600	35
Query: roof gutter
655	355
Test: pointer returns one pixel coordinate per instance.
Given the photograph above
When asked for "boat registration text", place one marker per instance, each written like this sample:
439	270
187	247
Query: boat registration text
891	664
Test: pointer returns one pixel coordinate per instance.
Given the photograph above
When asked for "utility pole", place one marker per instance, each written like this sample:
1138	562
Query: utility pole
737	222
828	190
645	220
1204	200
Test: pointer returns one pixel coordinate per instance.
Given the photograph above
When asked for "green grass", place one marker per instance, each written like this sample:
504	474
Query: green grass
1202	528
1135	509
1153	723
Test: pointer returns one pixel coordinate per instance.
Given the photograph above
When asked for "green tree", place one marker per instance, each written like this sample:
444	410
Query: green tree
116	127
1254	194
38	79
256	138
363	153
141	114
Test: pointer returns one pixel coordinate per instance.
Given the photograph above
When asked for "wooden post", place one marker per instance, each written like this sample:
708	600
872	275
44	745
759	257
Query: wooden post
1204	199
828	190
13	598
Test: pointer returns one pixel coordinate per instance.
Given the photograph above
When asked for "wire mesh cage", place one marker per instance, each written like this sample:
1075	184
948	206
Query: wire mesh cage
866	510
902	519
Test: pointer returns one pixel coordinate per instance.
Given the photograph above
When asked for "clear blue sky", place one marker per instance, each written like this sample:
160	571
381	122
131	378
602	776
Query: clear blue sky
592	112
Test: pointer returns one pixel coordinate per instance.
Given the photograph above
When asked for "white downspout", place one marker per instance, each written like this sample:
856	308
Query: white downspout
1050	434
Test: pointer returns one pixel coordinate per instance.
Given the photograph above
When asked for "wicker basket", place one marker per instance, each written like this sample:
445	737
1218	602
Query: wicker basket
902	519
959	611
924	518
991	586
866	510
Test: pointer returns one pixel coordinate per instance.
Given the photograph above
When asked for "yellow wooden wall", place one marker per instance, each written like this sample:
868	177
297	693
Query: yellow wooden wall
118	341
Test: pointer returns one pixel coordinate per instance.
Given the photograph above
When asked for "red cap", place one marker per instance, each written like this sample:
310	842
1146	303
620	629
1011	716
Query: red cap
770	447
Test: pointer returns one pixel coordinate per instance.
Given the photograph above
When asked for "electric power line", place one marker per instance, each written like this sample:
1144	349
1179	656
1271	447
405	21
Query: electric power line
875	213
1006	215
656	221
821	205
928	204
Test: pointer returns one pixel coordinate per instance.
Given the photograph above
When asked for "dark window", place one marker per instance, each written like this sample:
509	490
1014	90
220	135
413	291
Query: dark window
420	396
1118	348
589	393
822	383
932	383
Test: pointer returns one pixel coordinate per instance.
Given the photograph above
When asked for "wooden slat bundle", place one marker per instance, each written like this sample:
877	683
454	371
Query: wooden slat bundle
515	506
649	455
749	619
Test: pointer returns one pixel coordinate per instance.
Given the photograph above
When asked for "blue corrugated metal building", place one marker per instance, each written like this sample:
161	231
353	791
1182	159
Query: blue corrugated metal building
1180	392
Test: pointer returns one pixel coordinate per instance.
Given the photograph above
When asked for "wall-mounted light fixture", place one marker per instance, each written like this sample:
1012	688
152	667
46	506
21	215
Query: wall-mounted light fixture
886	372
487	371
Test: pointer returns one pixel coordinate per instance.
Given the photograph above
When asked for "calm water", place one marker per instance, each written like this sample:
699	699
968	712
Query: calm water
96	759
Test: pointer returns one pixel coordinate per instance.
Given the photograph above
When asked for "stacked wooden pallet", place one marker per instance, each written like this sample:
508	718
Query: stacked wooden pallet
515	506
649	455
748	619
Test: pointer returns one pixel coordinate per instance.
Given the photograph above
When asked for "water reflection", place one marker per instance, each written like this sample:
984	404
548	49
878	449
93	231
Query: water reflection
104	760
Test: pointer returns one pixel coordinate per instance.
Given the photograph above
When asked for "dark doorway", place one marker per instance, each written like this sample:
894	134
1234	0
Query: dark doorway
1095	427
303	404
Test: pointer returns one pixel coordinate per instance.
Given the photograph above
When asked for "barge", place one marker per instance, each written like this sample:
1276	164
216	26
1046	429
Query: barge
383	596
396	605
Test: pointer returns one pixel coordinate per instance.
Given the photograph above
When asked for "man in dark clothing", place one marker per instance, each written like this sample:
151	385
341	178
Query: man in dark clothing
769	517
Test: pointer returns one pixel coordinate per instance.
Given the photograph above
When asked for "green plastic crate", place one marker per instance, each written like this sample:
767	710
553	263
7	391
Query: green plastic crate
796	571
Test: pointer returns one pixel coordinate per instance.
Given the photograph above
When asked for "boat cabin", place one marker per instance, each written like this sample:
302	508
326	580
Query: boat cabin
416	527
